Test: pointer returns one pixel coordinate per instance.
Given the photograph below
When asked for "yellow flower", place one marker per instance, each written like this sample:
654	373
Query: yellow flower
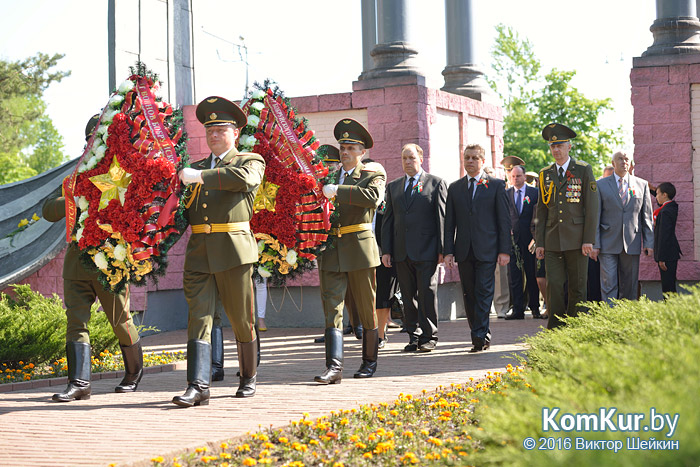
354	438
313	442
367	455
360	445
338	464
224	446
393	412
263	437
22	223
243	447
158	460
200	450
424	432
225	455
344	421
249	461
435	441
265	460
283	440
35	217
408	434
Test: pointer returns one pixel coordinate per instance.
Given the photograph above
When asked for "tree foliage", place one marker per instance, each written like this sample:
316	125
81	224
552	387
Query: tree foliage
29	143
533	100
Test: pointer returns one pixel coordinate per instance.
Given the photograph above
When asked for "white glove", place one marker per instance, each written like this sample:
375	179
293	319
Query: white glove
189	175
329	191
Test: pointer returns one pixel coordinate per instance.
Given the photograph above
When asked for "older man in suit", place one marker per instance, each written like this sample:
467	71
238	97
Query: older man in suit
477	236
221	250
523	199
351	261
624	230
412	235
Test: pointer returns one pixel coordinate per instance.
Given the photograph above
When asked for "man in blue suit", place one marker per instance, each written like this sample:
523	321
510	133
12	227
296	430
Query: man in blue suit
523	199
477	235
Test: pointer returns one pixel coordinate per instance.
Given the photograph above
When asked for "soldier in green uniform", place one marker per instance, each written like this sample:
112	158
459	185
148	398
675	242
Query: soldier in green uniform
80	288
566	220
351	260
222	249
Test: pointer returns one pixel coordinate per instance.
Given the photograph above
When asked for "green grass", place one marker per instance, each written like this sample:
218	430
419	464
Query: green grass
633	356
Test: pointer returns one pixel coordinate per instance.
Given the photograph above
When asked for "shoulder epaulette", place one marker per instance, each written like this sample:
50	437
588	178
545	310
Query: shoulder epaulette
373	167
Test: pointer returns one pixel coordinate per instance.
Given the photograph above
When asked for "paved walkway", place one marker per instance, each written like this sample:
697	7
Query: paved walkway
127	428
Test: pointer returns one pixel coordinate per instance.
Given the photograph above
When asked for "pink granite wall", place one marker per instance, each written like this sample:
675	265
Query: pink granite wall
396	116
663	148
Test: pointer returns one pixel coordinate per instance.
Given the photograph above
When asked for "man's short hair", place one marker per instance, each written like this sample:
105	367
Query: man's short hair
521	167
479	149
668	188
415	147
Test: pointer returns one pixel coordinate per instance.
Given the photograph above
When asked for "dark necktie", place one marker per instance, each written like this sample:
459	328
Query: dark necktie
409	190
470	195
217	160
346	175
561	174
518	202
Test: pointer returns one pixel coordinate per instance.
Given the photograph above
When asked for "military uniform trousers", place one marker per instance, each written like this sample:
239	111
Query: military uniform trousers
79	295
235	287
561	265
363	287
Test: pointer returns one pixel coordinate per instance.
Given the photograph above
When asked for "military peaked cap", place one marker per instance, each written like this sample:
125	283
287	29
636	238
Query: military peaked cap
216	110
91	124
556	133
329	152
351	131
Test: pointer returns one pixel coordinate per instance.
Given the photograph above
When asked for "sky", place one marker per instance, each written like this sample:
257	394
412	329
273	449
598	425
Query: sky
314	47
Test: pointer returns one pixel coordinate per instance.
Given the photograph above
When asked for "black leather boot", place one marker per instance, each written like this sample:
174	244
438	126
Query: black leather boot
247	357
133	367
334	357
79	364
217	353
198	374
370	348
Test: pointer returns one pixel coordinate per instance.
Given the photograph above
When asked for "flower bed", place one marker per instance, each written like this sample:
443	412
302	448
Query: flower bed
436	428
104	362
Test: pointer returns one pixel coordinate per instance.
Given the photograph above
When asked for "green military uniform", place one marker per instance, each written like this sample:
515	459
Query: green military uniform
566	218
220	253
353	257
80	288
351	260
223	261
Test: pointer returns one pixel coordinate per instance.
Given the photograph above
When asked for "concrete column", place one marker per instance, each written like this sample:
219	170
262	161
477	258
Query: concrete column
159	33
462	75
676	29
394	55
369	33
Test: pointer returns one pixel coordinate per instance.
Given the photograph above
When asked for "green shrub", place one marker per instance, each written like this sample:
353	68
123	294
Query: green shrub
632	356
33	328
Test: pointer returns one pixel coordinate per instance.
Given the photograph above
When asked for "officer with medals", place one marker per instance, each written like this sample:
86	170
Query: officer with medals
566	220
80	288
351	259
221	250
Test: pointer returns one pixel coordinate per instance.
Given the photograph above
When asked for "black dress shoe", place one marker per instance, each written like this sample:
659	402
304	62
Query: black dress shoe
320	340
427	346
358	331
480	347
412	347
348	329
514	316
535	315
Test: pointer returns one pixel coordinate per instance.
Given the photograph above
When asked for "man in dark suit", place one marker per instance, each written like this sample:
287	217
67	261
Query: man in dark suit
477	235
522	200
667	251
412	235
567	216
